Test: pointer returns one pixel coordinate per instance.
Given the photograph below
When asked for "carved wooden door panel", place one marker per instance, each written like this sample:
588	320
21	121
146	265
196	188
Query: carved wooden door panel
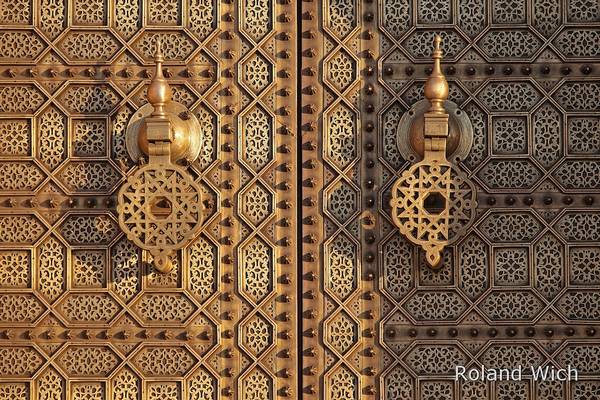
521	287
83	314
299	284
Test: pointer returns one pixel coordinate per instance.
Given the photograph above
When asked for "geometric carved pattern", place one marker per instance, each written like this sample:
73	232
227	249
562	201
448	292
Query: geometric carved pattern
164	361
257	73
512	267
127	19
163	12
202	385
68	274
52	17
257	203
99	46
512	305
96	361
256	277
24	45
341	267
257	334
515	43
257	18
22	99
16	269
340	70
513	227
20	176
519	96
203	268
418	44
397	264
16	391
164	308
510	135
16	12
89	137
19	361
126	385
342	17
258	131
343	201
51	268
343	384
52	137
202	18
89	12
510	355
82	308
177	45
208	125
20	229
509	174
533	135
257	140
88	268
15	137
88	390
535	138
342	332
581	138
257	385
340	148
83	176
547	135
445	306
88	99
398	384
89	229
342	138
473	254
434	359
578	96
126	268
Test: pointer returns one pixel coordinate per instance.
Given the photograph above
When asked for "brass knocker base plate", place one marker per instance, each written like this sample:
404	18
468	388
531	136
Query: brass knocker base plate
411	139
186	131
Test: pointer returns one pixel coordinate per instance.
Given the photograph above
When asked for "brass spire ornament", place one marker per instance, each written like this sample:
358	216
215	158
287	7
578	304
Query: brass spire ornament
433	202
159	91
160	205
436	88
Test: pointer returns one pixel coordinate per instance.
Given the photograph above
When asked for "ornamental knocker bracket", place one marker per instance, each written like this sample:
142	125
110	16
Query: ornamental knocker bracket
160	205
433	202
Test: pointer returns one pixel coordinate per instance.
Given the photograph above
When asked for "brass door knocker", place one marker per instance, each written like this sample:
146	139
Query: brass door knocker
160	205
433	202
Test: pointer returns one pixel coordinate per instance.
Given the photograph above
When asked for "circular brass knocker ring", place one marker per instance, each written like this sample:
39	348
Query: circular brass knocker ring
160	211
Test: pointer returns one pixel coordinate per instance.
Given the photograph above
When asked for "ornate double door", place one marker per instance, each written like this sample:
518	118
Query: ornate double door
298	285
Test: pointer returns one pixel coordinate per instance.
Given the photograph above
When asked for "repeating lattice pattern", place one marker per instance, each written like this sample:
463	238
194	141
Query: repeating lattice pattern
520	265
341	198
96	321
257	253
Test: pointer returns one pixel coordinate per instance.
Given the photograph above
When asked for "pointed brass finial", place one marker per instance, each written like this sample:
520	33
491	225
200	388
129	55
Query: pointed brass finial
436	87
159	91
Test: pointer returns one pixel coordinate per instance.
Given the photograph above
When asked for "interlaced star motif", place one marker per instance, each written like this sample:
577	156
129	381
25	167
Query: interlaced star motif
159	208
433	229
